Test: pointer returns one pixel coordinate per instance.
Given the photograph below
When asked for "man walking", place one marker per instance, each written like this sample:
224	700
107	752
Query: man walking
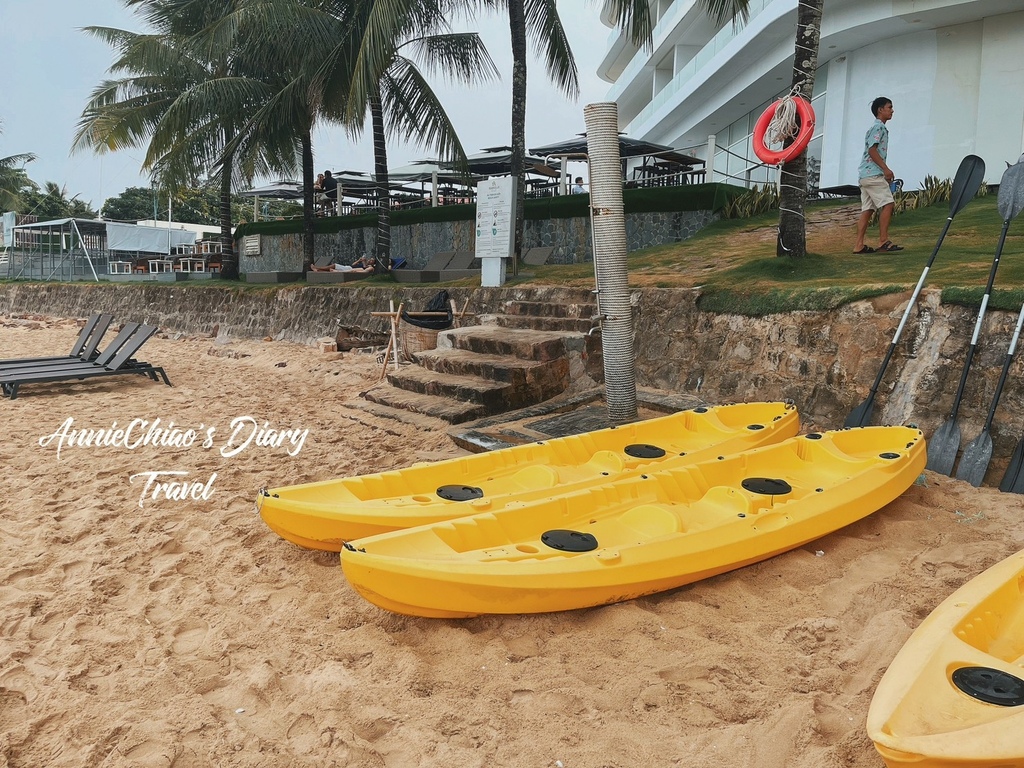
875	178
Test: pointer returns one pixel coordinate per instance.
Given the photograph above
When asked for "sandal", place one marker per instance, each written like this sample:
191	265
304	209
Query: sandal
864	249
889	246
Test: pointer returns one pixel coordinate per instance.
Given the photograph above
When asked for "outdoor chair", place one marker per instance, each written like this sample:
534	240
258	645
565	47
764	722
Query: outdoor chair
117	358
536	257
429	272
462	265
84	348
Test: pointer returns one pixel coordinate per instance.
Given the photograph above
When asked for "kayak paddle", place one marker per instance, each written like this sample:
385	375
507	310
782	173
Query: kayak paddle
978	453
944	444
965	187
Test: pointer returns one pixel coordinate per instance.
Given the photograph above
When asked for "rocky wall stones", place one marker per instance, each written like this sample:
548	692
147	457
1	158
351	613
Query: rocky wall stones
570	239
824	361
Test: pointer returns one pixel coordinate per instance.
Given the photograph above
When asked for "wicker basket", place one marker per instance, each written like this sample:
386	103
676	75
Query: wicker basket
413	339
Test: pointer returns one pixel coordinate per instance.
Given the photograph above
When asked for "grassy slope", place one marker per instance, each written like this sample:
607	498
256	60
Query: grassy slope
735	262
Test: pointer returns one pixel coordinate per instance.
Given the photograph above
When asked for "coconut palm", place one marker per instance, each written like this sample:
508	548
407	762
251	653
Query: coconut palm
289	45
792	239
539	20
178	98
13	179
400	100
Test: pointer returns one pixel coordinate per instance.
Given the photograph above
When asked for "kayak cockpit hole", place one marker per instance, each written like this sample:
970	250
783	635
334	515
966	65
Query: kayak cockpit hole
644	451
569	541
768	486
993	686
459	492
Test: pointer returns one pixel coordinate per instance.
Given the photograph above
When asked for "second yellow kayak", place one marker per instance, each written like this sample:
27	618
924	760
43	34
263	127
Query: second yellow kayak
640	534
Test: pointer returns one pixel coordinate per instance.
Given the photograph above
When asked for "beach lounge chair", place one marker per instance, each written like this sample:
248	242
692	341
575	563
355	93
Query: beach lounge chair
429	273
536	257
84	348
117	358
463	264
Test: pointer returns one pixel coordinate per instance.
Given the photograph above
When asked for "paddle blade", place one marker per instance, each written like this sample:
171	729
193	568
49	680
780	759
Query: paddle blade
974	463
1013	478
966	183
861	415
942	448
1011	191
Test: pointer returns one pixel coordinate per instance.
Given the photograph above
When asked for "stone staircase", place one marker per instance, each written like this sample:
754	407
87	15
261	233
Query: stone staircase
529	353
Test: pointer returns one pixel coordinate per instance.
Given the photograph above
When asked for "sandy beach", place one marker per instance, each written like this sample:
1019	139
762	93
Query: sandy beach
141	629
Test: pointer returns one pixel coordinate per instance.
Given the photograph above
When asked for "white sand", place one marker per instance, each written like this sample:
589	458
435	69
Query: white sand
185	633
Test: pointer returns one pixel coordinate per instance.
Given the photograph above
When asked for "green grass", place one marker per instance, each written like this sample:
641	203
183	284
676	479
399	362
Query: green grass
735	266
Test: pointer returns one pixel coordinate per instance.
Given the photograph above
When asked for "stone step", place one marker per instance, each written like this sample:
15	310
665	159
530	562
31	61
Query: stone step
451	411
540	323
494	396
551	375
550	309
526	344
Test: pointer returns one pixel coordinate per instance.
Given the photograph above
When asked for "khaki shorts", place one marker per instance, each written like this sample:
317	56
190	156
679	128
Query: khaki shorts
875	193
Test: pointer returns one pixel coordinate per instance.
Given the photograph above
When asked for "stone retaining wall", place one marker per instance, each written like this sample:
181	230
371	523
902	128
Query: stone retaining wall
569	237
824	361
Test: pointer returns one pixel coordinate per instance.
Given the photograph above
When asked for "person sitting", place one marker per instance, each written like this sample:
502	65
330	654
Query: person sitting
577	187
331	192
319	195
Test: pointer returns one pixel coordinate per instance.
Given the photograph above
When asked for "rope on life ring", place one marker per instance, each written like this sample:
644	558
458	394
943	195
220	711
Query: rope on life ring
778	124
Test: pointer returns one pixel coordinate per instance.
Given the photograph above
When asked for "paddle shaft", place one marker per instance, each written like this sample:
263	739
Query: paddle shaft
910	307
977	325
965	187
1005	372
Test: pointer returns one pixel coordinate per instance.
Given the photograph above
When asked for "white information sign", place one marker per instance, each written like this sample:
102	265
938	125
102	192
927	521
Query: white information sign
495	227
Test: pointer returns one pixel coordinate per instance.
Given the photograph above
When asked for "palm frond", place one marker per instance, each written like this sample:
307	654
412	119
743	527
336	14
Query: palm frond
544	28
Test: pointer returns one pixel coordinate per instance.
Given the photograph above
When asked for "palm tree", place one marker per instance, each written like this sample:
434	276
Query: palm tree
13	180
289	45
178	98
792	239
539	19
401	102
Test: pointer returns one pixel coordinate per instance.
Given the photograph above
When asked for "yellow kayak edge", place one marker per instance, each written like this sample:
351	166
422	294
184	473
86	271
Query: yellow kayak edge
324	514
646	533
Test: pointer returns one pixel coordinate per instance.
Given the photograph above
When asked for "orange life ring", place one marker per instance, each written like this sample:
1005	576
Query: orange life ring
777	157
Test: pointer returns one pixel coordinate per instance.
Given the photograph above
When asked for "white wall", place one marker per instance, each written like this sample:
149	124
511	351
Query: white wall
956	90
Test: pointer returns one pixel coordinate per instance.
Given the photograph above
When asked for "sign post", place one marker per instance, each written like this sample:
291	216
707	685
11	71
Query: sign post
495	217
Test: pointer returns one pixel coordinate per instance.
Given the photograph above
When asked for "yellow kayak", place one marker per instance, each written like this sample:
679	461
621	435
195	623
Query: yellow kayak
954	695
325	514
638	535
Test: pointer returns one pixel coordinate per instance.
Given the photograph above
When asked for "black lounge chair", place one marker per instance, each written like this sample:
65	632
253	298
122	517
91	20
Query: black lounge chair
117	358
84	348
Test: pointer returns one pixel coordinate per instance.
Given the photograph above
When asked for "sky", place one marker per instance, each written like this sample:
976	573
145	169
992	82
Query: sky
50	67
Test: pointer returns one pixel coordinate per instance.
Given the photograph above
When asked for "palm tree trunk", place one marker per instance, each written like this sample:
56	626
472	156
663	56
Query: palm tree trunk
307	200
228	258
517	27
380	170
792	229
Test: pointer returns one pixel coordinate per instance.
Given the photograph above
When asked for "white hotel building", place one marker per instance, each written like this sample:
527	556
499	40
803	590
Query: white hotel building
954	70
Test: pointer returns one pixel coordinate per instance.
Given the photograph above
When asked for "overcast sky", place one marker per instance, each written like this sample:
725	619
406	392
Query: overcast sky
50	67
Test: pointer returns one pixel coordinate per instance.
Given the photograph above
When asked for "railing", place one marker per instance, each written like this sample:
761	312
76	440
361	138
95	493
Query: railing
716	44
